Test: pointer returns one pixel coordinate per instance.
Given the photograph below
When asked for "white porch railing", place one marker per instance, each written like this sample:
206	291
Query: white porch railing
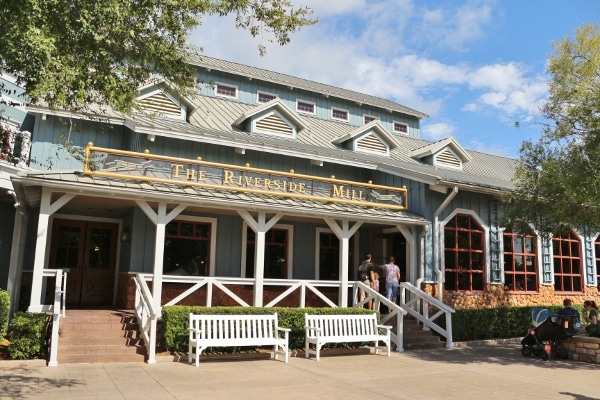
419	305
146	315
416	303
394	311
57	306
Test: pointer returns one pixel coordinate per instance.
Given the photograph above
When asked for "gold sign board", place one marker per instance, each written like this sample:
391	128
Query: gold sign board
184	172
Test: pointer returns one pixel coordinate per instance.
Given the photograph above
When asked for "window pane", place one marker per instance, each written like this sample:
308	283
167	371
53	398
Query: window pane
476	241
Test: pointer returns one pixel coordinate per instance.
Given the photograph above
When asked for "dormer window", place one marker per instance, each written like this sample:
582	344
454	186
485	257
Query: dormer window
305	107
445	153
339	114
400	127
264	97
162	104
226	91
369	118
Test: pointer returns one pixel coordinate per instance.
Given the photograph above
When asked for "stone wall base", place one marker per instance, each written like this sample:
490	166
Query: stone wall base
583	348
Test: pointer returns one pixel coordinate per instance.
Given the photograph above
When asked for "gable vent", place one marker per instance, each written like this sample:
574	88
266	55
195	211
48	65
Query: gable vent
447	158
274	124
371	143
160	103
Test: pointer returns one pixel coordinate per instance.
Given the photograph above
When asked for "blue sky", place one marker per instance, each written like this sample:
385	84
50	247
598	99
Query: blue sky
474	66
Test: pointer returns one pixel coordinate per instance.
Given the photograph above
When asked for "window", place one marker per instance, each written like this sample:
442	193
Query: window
566	254
369	118
264	97
463	254
329	257
187	248
276	253
305	107
339	114
597	248
399	127
520	266
226	90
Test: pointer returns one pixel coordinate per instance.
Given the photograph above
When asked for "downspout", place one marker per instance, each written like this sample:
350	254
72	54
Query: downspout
421	277
436	240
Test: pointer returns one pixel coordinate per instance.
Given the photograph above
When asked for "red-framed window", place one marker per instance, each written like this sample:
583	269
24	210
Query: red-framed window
187	248
568	263
276	250
329	257
464	254
520	262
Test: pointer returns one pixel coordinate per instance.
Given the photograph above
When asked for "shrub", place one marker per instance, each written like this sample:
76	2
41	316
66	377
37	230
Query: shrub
4	310
491	323
27	335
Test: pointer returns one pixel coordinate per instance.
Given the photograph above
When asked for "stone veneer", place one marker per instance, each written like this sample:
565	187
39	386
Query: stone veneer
496	296
583	348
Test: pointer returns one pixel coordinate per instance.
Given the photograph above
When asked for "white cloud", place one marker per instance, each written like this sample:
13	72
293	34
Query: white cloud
437	131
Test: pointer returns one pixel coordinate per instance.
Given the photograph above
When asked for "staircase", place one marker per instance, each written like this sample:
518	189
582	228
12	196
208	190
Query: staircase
416	338
99	336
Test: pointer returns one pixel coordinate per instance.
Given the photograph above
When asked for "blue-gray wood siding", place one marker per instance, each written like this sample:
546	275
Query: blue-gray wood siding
248	89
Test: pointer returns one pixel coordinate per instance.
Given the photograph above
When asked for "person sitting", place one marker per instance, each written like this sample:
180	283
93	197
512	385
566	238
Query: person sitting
591	315
570	316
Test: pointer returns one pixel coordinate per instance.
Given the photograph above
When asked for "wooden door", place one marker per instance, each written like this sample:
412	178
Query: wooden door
88	249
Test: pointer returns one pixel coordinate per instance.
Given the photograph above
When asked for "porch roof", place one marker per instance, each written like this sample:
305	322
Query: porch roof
29	186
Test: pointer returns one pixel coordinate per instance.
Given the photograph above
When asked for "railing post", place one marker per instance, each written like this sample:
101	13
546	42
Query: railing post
152	344
58	296
425	314
449	341
209	290
303	295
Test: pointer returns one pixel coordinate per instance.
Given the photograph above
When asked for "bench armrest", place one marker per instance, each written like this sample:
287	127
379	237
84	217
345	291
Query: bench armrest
312	328
385	327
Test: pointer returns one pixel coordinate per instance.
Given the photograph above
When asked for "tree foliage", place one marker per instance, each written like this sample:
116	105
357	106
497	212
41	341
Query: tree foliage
558	180
70	54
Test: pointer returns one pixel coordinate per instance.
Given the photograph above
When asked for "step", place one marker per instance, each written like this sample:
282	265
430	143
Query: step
95	324
99	336
100	358
105	341
98	349
97	331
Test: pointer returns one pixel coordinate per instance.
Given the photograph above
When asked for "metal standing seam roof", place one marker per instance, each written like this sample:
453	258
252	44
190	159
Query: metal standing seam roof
300	83
213	118
213	198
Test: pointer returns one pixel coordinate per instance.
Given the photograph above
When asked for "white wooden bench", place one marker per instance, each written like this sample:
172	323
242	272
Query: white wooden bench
235	330
322	329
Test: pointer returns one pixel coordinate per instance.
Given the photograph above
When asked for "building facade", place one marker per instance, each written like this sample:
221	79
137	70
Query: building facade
263	176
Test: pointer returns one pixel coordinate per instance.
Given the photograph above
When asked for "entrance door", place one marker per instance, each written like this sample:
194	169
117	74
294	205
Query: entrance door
88	249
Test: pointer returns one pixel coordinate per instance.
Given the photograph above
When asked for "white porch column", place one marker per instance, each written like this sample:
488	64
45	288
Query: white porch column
411	254
260	226
160	218
16	256
46	210
343	233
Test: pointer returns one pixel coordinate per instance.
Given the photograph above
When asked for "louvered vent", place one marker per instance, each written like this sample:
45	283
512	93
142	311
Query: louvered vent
371	143
447	158
159	103
274	124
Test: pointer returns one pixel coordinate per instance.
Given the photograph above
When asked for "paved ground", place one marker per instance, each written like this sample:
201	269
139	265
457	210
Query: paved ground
495	371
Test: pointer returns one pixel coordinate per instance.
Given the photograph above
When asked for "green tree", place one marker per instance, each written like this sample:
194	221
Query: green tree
558	180
70	54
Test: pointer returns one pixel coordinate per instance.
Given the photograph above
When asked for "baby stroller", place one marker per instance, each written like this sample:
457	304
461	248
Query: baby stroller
548	330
